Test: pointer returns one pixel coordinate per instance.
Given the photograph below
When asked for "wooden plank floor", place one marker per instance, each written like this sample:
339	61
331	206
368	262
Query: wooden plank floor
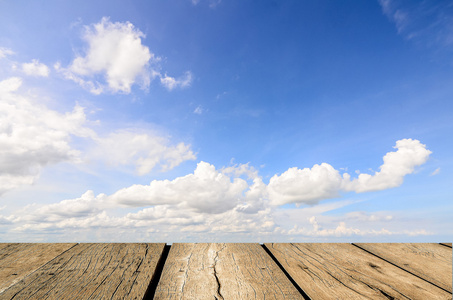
223	271
226	271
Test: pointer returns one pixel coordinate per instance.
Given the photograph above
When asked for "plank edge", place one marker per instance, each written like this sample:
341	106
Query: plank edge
293	282
446	290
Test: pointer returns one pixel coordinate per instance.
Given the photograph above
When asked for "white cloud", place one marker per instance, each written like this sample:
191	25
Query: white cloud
309	186
435	172
342	230
86	205
362	216
211	204
115	51
212	3
207	201
206	190
305	186
145	150
115	59
33	136
198	110
35	68
4	52
410	154
429	22
171	83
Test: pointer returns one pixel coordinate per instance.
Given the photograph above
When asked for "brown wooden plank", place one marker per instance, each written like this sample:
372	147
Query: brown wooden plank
431	262
446	244
4	245
343	271
20	260
92	271
222	271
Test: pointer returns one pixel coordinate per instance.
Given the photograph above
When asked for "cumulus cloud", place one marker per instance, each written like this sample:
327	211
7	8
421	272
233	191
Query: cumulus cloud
212	203
144	150
171	83
207	201
33	136
86	205
410	154
309	186
35	68
206	190
115	59
305	186
115	52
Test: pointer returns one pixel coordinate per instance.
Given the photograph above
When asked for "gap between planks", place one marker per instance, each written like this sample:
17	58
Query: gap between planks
150	291
149	294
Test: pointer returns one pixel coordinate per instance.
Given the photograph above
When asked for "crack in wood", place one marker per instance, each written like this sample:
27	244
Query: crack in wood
185	273
215	274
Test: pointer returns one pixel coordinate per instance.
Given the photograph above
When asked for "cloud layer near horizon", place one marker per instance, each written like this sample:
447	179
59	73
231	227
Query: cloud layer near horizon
232	199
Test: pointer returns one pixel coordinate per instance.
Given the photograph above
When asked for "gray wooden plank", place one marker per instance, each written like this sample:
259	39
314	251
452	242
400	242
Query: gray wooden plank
343	271
19	260
92	271
429	261
222	271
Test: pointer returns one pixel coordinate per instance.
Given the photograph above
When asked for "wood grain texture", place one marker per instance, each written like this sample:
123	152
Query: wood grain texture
446	244
92	271
19	260
222	271
431	262
343	271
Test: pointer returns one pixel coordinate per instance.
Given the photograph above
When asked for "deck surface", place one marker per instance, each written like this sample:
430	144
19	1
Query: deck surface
226	271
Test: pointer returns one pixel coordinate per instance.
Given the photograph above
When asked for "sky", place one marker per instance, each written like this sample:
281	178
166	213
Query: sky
226	121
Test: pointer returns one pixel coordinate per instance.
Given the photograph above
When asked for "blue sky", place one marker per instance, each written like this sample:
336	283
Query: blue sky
216	120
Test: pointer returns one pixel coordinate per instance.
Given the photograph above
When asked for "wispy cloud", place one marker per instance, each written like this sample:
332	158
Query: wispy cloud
435	172
33	136
144	150
171	83
427	22
212	3
198	110
4	52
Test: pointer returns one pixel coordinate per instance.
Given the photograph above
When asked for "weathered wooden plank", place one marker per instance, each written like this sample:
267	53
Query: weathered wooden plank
446	244
92	271
343	271
431	262
4	245
19	260
222	271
